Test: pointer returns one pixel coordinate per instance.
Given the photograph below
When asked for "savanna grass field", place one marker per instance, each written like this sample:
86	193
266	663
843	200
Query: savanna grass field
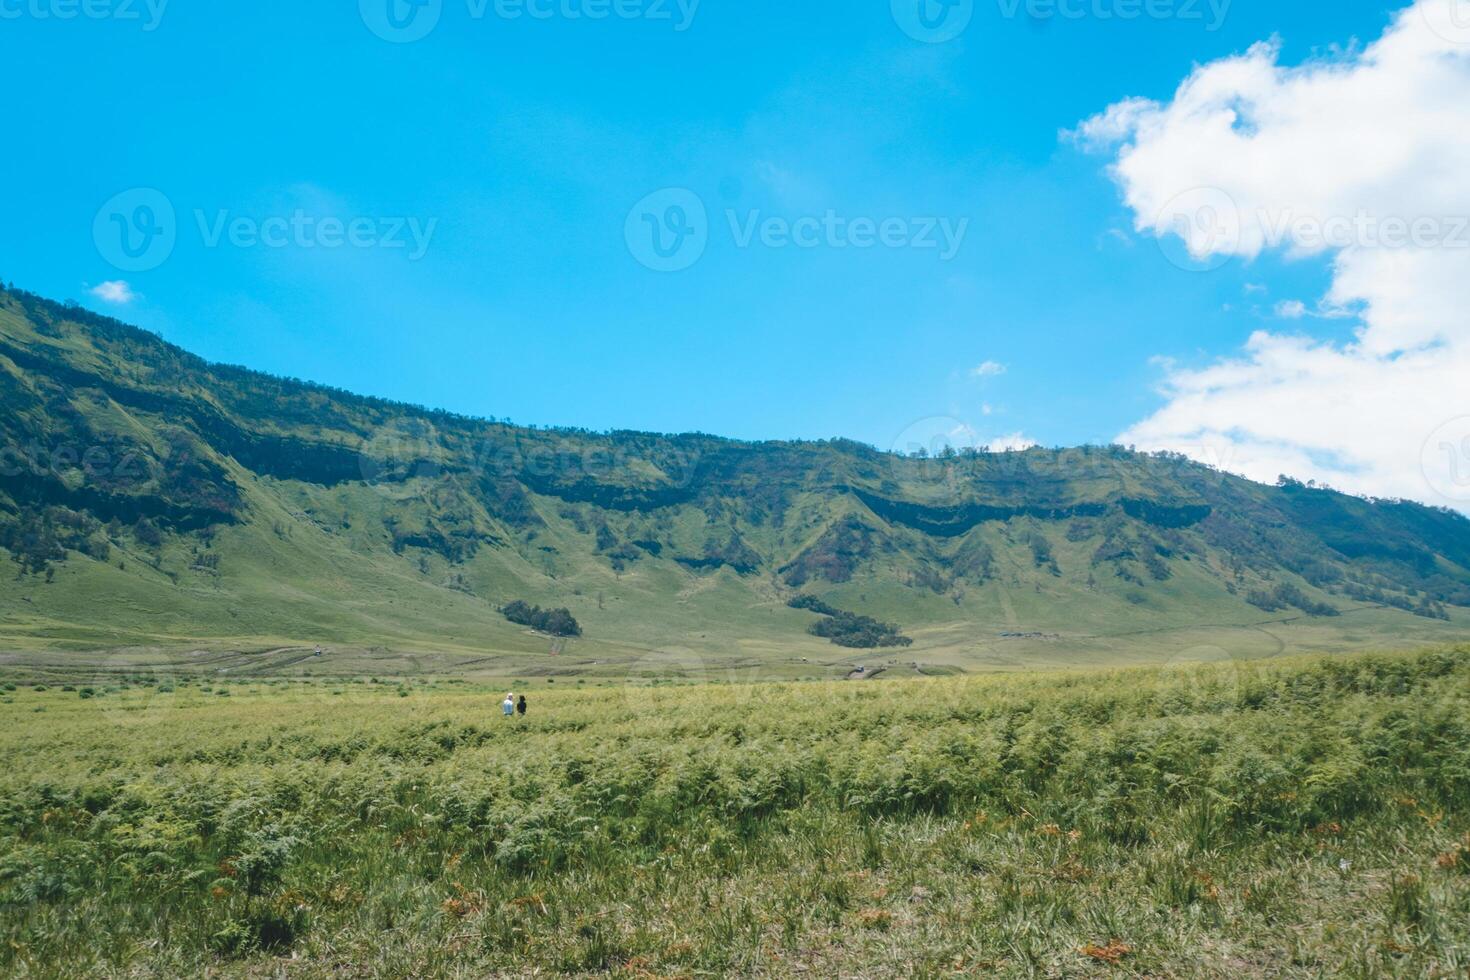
1293	818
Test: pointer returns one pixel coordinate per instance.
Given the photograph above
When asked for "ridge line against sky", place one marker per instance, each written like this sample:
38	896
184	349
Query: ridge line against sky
894	245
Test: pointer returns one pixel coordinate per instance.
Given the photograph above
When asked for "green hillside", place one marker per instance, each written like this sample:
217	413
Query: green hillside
149	499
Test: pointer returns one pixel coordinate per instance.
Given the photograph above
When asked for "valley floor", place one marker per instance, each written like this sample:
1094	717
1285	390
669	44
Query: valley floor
745	653
1302	817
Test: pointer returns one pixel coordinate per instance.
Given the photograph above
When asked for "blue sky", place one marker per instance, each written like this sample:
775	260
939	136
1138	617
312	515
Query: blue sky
523	144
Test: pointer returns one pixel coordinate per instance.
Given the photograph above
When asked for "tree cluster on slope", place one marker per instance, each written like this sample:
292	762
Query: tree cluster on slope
557	622
849	629
1285	595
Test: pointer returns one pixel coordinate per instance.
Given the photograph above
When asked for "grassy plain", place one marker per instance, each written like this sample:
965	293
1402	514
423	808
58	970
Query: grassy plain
1302	817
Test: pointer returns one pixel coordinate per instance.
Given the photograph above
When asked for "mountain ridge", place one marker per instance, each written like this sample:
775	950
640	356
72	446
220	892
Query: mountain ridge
256	507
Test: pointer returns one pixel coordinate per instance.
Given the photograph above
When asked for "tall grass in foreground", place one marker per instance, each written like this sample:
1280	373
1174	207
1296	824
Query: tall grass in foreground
1298	818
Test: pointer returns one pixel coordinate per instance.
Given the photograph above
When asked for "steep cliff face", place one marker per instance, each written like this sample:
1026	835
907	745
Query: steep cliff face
141	486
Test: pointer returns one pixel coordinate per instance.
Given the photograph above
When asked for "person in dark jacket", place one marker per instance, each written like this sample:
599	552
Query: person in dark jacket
521	706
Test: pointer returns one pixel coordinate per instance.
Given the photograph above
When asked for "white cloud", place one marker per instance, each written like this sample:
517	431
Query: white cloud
1291	309
791	188
1015	442
1362	158
989	369
114	291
